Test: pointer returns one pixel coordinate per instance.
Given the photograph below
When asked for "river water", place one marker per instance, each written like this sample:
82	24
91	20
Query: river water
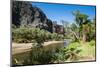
26	55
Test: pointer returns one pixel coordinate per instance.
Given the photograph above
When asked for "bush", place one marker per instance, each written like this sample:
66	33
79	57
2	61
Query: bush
73	45
57	37
71	51
41	56
23	35
27	35
92	43
68	53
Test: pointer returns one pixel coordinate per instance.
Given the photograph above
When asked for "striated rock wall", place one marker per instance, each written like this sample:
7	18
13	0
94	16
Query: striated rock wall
24	14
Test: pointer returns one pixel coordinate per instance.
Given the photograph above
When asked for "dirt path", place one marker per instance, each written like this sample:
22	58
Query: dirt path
23	47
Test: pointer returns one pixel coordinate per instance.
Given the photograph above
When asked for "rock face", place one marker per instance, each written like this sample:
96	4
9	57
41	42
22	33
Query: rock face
24	14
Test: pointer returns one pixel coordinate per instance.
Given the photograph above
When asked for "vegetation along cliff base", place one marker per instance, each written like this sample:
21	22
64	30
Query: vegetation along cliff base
48	33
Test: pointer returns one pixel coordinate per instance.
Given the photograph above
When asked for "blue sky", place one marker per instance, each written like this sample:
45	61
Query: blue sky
58	12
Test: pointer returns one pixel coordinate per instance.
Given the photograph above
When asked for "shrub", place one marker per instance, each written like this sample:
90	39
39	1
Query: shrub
41	56
57	37
92	43
23	35
27	34
69	53
73	45
59	56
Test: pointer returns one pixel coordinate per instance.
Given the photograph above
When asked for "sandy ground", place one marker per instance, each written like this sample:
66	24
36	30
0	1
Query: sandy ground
23	47
20	47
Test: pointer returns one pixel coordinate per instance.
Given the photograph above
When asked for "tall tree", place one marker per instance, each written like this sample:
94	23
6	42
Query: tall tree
83	22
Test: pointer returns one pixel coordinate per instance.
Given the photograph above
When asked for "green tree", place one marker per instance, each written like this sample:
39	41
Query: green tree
74	30
83	22
92	33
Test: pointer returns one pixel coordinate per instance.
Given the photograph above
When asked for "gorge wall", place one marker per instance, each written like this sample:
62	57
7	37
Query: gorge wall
24	14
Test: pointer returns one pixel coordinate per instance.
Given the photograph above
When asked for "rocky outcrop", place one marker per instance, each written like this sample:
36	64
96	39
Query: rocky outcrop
24	14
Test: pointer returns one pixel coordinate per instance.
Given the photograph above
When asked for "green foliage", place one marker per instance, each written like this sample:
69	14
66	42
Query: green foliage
92	43
41	56
86	26
74	45
72	53
22	58
73	27
23	35
88	50
56	36
27	35
73	50
59	56
69	53
80	18
92	32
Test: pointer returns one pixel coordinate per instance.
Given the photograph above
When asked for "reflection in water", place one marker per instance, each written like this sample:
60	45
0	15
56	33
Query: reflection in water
22	57
66	42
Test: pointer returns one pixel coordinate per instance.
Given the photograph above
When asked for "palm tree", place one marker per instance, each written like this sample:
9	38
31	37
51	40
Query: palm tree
82	21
